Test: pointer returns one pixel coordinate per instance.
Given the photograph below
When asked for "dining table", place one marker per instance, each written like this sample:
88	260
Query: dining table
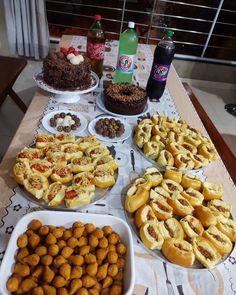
153	276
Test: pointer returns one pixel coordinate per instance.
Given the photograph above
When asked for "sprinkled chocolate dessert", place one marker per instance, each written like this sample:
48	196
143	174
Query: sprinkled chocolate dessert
67	70
125	99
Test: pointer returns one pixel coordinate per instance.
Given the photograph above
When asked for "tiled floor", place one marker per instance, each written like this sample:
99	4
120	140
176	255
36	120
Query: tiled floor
213	96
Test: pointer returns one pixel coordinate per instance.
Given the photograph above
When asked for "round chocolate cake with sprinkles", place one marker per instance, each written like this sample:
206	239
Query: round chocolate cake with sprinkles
67	70
125	99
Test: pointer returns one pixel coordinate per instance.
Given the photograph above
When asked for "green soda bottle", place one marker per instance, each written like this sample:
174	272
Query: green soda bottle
126	56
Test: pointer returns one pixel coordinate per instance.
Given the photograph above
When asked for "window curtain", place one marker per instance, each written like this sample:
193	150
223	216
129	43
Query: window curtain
27	27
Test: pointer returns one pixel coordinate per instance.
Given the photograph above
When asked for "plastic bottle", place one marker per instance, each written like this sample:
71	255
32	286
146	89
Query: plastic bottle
163	56
96	45
126	55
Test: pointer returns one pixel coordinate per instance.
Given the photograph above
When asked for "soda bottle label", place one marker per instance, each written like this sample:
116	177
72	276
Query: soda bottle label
160	72
96	50
126	63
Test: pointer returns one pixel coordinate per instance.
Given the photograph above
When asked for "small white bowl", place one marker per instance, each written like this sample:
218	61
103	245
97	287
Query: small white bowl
67	219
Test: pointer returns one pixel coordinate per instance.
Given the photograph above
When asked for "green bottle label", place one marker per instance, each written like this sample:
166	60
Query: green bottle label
125	63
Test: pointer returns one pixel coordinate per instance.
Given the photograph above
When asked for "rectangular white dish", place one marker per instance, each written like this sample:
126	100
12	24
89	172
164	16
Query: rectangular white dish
67	219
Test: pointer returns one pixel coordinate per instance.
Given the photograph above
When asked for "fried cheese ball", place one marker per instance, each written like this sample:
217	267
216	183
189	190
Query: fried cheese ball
22	241
12	284
34	225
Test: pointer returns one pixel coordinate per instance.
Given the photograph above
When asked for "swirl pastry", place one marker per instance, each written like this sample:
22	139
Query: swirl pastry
144	214
192	226
71	150
175	149
29	153
190	180
199	160
205	215
146	122
175	137
57	157
82	164
183	162
161	208
194	197
61	173
64	138
43	139
75	197
36	184
104	177
220	241
159	192
87	142
165	158
151	236
193	139
173	173
167	122
171	186
181	207
154	176
208	151
205	252
228	228
55	194
157	130
220	208
142	135
136	196
171	228
151	149
212	191
179	252
41	166
85	181
189	147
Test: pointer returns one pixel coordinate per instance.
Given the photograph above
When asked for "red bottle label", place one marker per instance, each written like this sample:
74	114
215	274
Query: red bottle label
160	72
95	50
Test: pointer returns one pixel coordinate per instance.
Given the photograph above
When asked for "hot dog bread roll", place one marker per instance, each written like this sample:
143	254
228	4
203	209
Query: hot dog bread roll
153	175
143	182
194	197
208	151
171	228
205	252
82	164
228	228
189	147
71	150
55	194
175	148
165	158
190	180
192	226
44	139
212	191
64	138
220	241
84	181
181	207
220	208
159	192
171	186
36	184
193	139
142	135
178	251
174	174
136	196
61	173
205	215
199	160
167	122
87	142
41	166
175	137
161	131
75	197
161	208
21	170
144	214
105	162
104	178
183	162
151	236
151	149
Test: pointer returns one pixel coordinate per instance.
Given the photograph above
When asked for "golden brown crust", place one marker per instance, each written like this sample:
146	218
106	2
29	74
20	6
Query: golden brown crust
190	180
181	207
136	197
205	215
144	214
173	174
151	236
192	226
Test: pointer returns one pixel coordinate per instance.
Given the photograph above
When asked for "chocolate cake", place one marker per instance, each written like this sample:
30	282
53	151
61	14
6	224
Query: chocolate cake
67	70
125	99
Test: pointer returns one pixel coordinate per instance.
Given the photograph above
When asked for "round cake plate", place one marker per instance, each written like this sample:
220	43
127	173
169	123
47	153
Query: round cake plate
124	136
64	95
101	105
48	116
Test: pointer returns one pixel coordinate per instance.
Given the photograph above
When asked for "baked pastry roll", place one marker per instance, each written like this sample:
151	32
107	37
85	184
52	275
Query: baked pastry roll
144	214
193	139
143	182
181	123
151	149
199	160
155	119
85	181
75	197
44	139
50	149
151	236
136	196
173	173
157	130
81	164
212	191
220	241
175	137
142	135
192	226
206	140
228	227
178	251
194	197
160	141
208	151
97	151
191	180
21	170
220	208
175	149
183	162
87	142
105	162
41	166
181	207
29	153
167	122
146	122
71	150
205	215
104	177
55	194
61	173
154	176
36	184
189	147
161	208
205	252
171	186
57	157
61	138
171	228
165	158
159	192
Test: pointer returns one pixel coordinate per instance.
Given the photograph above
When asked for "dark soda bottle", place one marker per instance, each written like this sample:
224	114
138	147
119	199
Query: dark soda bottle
96	45
163	56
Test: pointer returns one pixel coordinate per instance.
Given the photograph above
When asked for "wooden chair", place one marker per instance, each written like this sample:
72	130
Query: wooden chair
10	69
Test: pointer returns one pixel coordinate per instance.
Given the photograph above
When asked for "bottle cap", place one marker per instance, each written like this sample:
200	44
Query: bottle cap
131	25
169	33
98	17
